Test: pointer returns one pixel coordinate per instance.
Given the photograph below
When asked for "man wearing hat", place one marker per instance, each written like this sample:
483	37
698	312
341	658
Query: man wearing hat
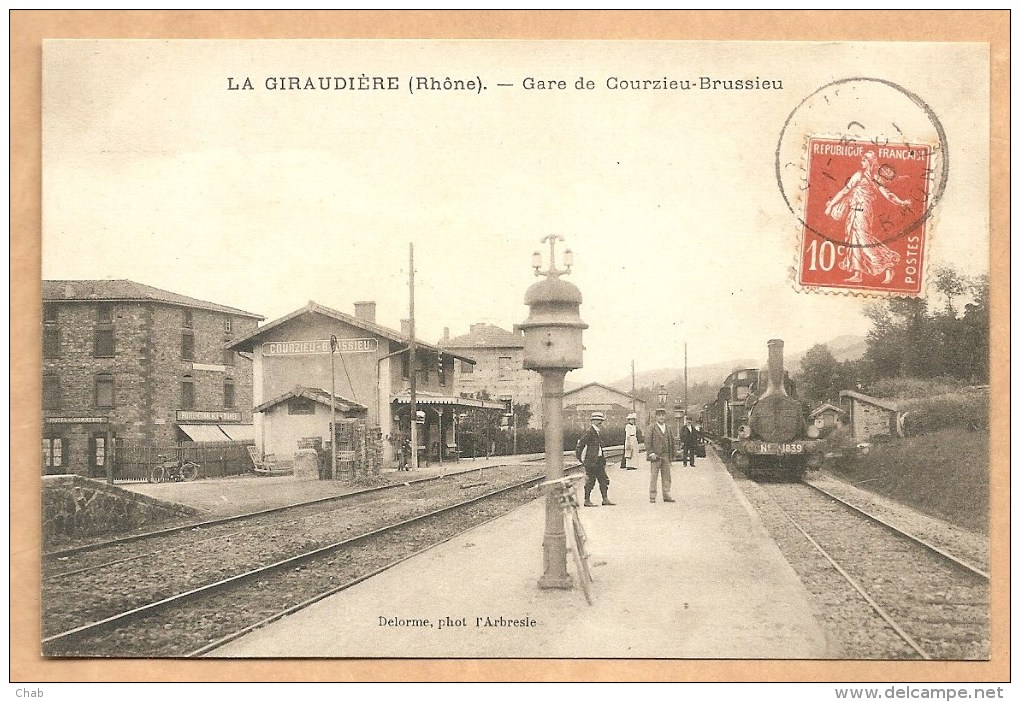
660	446
594	458
689	440
630	443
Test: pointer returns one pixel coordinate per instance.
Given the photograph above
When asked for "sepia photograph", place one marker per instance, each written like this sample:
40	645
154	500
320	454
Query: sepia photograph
405	349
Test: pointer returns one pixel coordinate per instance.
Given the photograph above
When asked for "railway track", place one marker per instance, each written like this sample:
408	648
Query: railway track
935	602
64	553
193	612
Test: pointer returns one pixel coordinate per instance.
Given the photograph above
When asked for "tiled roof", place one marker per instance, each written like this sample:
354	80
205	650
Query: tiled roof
249	341
316	395
485	335
604	387
127	290
822	408
878	402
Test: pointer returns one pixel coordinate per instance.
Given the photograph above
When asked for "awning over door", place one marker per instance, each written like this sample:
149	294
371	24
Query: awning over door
427	398
239	432
203	432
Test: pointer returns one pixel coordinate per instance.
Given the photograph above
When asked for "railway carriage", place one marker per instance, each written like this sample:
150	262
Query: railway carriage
722	418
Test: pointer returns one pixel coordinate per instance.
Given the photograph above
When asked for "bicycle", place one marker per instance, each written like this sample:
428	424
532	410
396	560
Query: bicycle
577	537
174	470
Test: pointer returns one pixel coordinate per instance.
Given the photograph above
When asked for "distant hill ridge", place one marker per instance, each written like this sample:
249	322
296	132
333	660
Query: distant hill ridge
843	348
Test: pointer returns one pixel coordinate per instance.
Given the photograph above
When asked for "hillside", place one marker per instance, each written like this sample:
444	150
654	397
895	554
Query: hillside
844	348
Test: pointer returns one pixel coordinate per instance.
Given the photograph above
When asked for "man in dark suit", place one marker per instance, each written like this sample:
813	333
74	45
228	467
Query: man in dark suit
593	456
659	444
689	439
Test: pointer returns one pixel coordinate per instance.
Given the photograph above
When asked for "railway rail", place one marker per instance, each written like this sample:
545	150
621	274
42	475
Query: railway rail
955	559
935	602
64	553
187	620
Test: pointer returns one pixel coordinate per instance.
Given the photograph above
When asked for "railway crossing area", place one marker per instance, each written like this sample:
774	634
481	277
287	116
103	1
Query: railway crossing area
698	578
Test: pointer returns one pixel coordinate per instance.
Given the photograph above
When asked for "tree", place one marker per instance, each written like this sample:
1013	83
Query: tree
976	321
820	376
522	415
909	340
951	283
885	342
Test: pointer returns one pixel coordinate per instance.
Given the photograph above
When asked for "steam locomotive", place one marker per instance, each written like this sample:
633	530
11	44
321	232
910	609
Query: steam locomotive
764	428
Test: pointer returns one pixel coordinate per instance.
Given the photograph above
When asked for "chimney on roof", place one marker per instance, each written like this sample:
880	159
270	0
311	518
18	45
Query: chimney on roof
477	327
405	327
365	311
446	333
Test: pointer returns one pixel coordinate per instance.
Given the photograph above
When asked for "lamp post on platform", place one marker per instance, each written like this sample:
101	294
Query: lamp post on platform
552	346
663	394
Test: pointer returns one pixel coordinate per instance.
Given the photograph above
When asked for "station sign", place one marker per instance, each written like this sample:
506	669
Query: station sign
318	346
77	420
208	416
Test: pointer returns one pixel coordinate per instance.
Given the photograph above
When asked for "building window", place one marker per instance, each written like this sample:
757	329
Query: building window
97	451
54	452
104	390
51	341
188	322
104	313
405	366
441	366
466	368
188	392
228	392
505	367
228	357
51	332
227	325
104	343
187	345
300	405
51	392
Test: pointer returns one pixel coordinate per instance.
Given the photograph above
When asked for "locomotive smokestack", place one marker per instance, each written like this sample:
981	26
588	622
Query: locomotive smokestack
776	371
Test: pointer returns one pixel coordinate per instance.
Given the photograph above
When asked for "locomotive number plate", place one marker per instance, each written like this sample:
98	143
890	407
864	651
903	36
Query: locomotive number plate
779	449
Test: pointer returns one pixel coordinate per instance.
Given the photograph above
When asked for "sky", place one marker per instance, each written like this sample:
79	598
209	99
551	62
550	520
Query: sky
265	199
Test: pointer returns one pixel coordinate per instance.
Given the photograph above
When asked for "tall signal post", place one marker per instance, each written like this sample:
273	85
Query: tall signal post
685	379
414	370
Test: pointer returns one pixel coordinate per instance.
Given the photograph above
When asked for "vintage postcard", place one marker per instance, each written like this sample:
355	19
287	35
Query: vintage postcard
325	323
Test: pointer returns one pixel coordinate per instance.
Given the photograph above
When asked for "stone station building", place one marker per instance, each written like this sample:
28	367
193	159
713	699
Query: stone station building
129	363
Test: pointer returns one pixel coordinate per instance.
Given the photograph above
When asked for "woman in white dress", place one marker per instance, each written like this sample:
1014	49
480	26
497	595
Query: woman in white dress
630	444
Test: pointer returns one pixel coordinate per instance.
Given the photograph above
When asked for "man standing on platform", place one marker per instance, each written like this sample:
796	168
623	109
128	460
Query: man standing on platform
591	453
689	438
660	446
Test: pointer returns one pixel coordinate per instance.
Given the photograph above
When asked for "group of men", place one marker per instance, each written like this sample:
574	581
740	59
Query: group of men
659	443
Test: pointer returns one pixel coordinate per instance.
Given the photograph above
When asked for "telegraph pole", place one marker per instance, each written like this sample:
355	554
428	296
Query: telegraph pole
685	379
332	402
414	373
633	389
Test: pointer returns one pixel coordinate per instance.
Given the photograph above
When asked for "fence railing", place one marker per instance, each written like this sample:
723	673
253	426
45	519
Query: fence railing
134	461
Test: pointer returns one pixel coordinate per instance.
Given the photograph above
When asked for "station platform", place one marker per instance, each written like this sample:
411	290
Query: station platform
694	579
243	494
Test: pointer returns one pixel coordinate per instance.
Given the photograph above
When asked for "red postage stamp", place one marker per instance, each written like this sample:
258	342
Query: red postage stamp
865	210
